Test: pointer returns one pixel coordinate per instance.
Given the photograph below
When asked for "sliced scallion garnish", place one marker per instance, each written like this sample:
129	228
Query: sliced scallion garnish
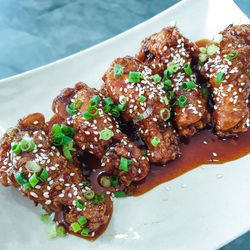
219	77
118	70
187	69
120	194
94	100
16	149
188	85
232	55
182	100
156	78
155	141
98	199
106	134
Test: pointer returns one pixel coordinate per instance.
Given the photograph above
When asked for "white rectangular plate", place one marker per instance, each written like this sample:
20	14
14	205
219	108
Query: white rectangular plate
206	214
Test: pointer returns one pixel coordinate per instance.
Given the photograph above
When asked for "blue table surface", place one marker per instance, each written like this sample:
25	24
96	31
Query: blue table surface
34	33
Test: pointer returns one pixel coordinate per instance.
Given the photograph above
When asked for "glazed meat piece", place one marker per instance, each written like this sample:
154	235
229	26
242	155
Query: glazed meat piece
147	106
165	50
88	134
43	175
227	74
235	37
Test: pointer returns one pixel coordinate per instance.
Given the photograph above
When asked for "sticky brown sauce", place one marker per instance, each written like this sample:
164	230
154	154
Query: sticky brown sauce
203	43
203	148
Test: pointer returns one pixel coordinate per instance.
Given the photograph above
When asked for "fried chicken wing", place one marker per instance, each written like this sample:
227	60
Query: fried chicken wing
88	134
235	36
147	106
43	175
227	74
168	47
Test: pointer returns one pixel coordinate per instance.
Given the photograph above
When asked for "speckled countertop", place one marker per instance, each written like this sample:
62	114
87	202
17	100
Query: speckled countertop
34	33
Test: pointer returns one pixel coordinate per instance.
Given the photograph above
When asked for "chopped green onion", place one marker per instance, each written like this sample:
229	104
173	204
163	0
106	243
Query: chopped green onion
172	67
248	72
114	180
167	82
220	76
218	38
108	101
82	220
188	85
165	99
87	183
120	194
27	144
171	94
232	55
45	218
33	180
121	107
70	110
142	99
58	139
187	69
32	167
68	131
202	57
134	76
106	108
85	232
91	109
203	50
80	204
89	114
182	100
106	134
118	70
86	115
89	194
156	78
105	181
52	231
27	186
16	149
94	100
76	105
123	99
124	164
76	227
60	231
212	49
155	141
115	111
43	175
66	151
166	73
98	199
165	114
56	128
20	178
205	92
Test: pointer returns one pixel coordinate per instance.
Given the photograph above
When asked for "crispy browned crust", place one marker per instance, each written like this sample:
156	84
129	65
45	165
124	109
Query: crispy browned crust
170	46
87	134
231	112
63	186
153	125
